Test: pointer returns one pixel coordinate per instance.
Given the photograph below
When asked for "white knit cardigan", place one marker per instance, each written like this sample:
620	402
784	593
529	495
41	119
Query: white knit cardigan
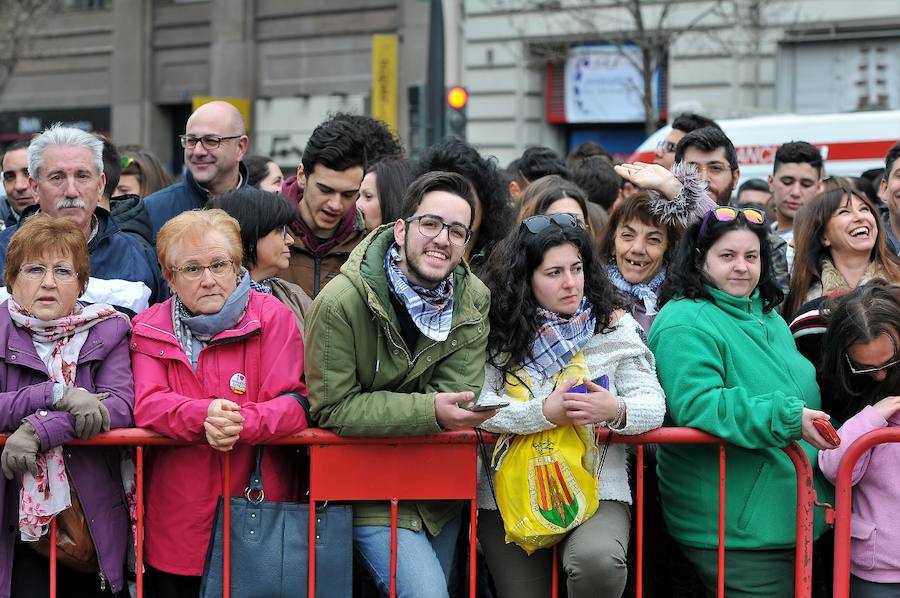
620	354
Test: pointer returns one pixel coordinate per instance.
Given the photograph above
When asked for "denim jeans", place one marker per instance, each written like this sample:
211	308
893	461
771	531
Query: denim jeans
423	560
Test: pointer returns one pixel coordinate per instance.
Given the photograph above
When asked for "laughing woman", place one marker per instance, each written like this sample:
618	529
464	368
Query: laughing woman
840	244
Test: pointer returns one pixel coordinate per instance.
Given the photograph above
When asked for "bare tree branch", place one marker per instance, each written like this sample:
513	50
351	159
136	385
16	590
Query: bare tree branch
19	19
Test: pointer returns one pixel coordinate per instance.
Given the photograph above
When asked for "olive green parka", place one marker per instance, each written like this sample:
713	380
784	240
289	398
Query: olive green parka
364	380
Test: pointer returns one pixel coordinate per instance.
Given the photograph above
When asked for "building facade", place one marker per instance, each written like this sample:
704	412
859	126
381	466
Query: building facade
721	58
133	68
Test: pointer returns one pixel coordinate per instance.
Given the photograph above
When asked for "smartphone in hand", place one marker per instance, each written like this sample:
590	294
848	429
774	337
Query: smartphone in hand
476	407
827	431
602	381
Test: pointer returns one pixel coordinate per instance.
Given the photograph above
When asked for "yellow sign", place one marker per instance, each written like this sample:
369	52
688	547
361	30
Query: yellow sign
242	104
384	79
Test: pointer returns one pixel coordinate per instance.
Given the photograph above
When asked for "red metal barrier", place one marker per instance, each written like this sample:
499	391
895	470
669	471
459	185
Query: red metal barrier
444	466
806	496
843	494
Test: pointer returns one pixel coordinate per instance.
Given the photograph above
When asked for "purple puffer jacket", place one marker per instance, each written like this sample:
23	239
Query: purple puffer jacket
26	392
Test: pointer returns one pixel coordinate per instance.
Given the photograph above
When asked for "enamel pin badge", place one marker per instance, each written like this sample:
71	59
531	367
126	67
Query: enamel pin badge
238	383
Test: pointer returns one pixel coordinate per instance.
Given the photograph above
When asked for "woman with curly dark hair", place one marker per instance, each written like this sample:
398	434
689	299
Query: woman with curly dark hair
729	367
555	323
493	212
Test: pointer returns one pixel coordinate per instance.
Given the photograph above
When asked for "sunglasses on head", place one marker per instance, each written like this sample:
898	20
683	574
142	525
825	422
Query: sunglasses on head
536	224
727	214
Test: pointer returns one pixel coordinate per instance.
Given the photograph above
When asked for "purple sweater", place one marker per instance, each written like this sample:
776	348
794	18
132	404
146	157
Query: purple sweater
26	392
874	533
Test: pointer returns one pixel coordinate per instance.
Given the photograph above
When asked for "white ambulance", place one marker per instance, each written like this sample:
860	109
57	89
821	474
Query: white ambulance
851	143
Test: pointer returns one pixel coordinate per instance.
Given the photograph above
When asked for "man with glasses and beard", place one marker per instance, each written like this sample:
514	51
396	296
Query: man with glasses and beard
395	347
65	167
214	143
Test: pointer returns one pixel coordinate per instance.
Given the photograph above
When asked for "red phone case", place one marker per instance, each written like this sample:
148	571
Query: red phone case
827	431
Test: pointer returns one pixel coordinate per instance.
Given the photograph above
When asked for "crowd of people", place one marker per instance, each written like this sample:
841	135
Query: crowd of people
372	294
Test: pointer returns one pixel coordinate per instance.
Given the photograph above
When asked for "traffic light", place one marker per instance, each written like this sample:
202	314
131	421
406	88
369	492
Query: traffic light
457	100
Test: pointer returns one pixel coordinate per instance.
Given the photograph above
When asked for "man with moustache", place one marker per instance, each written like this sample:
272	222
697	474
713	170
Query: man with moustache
214	143
395	347
14	166
65	167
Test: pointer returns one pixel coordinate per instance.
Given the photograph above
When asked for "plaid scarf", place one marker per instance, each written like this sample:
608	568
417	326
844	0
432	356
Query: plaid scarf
645	291
559	339
261	286
431	310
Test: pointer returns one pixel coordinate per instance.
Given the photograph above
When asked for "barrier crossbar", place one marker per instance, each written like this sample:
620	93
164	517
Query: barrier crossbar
843	494
444	466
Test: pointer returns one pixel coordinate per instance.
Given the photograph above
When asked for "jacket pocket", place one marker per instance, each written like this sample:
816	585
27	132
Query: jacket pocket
754	497
862	542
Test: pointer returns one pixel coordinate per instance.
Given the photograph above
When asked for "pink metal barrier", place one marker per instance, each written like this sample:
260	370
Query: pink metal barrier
444	466
843	493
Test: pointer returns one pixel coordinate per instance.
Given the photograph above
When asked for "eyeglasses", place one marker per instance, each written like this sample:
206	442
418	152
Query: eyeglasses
536	224
431	226
665	146
218	269
868	370
727	214
208	141
285	232
39	271
713	168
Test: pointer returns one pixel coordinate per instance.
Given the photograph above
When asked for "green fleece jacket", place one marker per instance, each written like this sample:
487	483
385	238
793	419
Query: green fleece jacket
363	380
731	370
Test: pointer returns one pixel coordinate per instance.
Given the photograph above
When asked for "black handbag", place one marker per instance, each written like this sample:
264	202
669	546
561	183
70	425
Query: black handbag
269	547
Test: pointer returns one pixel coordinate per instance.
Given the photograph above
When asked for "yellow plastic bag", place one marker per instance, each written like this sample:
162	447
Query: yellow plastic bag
547	482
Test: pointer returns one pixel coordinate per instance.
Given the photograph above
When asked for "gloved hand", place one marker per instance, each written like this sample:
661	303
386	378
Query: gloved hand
20	451
88	409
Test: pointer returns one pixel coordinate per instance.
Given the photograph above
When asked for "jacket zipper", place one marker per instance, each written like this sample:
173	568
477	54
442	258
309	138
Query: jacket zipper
91	532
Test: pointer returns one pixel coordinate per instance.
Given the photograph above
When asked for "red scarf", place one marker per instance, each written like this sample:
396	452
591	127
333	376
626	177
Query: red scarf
291	190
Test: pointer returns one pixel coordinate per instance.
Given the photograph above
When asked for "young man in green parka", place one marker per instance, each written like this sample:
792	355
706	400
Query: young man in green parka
395	347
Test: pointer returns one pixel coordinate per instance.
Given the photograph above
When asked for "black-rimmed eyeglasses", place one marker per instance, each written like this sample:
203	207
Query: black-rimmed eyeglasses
431	226
208	141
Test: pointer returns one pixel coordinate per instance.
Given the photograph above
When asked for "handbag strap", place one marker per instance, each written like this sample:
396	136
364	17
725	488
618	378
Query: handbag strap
254	491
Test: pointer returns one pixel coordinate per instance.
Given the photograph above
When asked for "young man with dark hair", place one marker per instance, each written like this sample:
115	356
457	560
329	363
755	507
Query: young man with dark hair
535	163
326	188
889	191
14	166
795	180
713	154
682	125
395	347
